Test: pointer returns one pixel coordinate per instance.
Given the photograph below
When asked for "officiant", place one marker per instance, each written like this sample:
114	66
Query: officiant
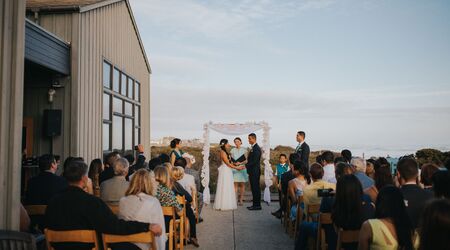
239	158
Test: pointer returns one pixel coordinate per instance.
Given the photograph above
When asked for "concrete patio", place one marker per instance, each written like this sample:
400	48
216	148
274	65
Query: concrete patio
242	229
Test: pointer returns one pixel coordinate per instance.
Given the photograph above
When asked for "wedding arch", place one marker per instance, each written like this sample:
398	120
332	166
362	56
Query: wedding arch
237	129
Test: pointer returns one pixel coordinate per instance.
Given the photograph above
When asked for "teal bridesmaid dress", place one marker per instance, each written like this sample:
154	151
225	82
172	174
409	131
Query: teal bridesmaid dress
239	175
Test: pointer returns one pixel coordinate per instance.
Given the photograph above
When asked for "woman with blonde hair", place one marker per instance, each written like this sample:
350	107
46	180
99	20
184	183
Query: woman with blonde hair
139	204
178	189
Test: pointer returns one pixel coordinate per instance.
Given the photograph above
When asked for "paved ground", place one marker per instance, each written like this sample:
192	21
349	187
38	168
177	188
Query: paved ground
242	229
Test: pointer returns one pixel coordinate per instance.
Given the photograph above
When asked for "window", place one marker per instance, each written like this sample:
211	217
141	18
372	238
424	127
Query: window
121	110
106	75
116	80
123	85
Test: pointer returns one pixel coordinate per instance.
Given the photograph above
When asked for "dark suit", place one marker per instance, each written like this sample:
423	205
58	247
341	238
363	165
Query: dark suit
254	172
107	174
303	153
42	188
415	201
285	178
75	209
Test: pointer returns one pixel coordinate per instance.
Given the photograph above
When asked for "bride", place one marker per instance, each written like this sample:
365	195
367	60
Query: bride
225	196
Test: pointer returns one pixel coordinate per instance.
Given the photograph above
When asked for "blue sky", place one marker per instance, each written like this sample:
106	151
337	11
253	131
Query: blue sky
351	73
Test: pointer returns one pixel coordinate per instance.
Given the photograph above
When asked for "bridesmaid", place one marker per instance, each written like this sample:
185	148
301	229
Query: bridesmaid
239	158
176	152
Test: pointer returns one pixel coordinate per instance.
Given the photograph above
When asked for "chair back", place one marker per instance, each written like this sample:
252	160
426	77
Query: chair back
170	212
299	215
33	210
146	237
324	219
74	236
347	236
312	209
114	208
181	223
12	240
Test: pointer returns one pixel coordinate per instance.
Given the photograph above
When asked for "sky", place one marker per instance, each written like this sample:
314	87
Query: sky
361	74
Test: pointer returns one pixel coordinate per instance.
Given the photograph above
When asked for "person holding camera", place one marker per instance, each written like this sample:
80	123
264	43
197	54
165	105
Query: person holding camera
310	193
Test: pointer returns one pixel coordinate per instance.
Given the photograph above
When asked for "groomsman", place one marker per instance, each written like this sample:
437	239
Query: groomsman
303	148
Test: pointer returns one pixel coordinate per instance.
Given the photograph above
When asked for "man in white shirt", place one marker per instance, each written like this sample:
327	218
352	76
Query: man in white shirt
328	169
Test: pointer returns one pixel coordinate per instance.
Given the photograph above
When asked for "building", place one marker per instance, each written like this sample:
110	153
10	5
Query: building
75	81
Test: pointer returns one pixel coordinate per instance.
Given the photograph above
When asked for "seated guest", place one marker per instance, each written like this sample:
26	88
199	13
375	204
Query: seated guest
140	158
441	184
295	189
164	193
349	209
285	178
415	196
360	172
435	226
153	163
46	185
178	189
108	171
370	168
392	228
426	174
188	170
95	168
164	158
139	204
310	192
75	209
328	167
113	189
383	177
130	158
187	180
347	155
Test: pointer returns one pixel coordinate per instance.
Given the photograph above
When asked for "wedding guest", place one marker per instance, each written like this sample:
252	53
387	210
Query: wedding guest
131	159
370	168
176	152
189	170
441	184
47	184
426	174
328	167
347	155
95	169
113	189
338	160
310	195
285	178
383	177
75	209
391	228
140	204
319	160
153	163
360	166
177	188
187	181
435	226
239	158
140	158
108	171
296	185
164	193
281	167
302	149
164	158
415	196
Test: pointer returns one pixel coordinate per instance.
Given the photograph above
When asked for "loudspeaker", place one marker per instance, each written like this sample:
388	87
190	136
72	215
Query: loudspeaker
52	122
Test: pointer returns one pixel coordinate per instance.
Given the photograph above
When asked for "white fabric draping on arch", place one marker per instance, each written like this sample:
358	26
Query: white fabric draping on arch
237	129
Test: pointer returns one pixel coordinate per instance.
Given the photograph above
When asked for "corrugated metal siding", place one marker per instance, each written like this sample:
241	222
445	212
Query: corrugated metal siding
108	33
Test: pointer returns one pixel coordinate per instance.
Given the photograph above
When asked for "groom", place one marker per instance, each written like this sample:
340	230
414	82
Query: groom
254	171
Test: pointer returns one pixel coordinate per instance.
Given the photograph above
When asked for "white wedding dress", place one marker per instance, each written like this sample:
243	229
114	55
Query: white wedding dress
225	198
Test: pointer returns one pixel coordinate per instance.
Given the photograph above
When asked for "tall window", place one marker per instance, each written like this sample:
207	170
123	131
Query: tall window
121	110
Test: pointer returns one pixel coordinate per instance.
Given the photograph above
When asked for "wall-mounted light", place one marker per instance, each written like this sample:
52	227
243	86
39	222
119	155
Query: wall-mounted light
51	94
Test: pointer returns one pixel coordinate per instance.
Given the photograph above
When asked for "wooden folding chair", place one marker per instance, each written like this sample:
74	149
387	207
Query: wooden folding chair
287	216
324	219
170	212
311	210
33	210
74	236
146	237
346	236
180	225
114	208
299	216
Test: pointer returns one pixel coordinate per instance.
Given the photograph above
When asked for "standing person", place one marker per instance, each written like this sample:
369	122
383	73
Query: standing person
176	152
238	158
225	196
254	171
284	183
303	148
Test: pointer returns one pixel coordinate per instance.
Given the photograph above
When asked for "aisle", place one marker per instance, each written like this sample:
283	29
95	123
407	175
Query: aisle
242	229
